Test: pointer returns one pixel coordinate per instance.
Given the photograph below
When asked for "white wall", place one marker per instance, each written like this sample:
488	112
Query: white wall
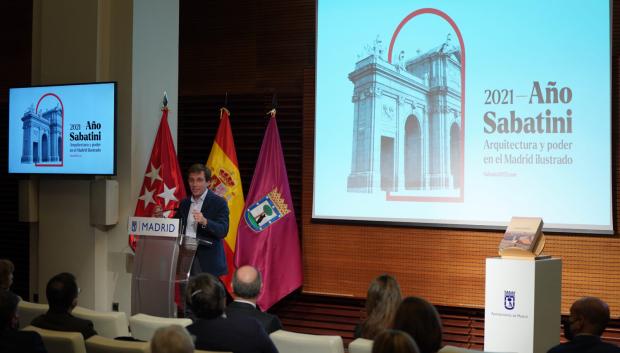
136	44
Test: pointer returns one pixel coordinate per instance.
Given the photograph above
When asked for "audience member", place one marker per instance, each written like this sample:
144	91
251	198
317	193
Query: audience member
216	332
587	321
62	296
172	339
381	302
421	321
6	274
247	283
394	341
12	340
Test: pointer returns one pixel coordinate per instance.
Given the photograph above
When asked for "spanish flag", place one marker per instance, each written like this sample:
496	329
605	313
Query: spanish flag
226	182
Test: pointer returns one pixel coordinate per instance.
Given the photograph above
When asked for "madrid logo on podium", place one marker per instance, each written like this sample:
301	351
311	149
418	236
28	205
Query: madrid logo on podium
509	299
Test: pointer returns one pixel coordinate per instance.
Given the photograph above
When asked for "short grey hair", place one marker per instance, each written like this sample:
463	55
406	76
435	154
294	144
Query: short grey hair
247	290
172	339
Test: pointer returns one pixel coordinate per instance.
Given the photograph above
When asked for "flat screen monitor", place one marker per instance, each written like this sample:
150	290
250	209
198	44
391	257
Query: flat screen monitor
464	113
63	129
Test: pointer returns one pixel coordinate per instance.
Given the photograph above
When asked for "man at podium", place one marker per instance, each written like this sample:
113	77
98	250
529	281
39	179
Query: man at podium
204	215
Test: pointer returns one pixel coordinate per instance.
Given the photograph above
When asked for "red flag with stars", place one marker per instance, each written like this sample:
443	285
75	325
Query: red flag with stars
163	181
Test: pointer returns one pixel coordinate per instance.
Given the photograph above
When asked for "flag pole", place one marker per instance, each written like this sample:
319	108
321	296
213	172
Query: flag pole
274	105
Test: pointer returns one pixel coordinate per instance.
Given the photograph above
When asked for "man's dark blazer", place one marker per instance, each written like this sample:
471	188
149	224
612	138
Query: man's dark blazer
60	321
12	341
270	322
585	344
239	335
210	253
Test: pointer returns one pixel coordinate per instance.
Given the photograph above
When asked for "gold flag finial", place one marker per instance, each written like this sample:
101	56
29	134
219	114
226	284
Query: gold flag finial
222	110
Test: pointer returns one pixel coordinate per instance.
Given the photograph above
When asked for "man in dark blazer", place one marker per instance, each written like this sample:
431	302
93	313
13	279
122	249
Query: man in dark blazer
11	339
62	293
205	216
215	331
587	321
247	283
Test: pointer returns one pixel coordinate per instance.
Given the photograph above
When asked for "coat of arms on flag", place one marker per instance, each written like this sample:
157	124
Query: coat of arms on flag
266	211
223	183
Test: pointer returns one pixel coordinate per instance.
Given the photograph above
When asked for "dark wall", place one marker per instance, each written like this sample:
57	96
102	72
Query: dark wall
245	47
15	65
255	51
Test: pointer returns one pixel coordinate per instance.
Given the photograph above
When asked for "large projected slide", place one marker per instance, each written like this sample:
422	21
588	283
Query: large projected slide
67	129
464	113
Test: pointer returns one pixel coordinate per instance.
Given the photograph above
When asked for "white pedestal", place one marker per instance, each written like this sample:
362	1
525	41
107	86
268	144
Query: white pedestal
522	305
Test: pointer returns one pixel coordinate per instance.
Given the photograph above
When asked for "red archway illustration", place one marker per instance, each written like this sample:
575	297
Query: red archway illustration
62	130
450	21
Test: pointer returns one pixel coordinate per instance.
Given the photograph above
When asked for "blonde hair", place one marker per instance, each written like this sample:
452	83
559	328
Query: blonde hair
172	339
382	300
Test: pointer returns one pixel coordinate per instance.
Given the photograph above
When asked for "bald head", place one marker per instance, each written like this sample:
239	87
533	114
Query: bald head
247	282
589	315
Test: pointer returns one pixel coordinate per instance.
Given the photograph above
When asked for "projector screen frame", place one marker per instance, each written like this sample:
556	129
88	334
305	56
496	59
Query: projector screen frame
472	225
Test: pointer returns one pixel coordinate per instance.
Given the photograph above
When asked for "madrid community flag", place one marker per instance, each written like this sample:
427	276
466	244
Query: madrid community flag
267	237
226	182
163	181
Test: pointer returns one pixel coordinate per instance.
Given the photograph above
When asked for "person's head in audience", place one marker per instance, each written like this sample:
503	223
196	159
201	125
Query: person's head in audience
588	316
172	339
421	321
62	292
394	341
247	283
206	296
6	274
8	310
381	302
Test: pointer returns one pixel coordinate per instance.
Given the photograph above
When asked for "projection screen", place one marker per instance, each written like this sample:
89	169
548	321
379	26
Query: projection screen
464	113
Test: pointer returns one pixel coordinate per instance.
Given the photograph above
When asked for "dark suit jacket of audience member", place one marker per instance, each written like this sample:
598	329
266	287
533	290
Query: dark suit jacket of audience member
12	341
585	344
64	322
270	322
239	335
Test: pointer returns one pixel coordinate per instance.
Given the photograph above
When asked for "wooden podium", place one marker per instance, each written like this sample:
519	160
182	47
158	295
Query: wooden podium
522	304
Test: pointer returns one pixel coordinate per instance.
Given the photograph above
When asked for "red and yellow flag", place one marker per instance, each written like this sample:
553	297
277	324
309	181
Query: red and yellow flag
226	182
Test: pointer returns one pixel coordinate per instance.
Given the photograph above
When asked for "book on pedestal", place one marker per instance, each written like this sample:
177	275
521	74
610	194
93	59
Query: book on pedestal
523	239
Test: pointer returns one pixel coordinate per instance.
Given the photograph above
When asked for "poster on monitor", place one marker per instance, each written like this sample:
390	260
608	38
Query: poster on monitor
63	129
457	113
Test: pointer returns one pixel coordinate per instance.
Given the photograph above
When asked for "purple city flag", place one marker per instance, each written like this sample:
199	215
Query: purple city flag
267	235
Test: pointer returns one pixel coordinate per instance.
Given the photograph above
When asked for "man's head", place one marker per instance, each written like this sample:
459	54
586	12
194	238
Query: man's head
198	178
206	296
8	310
172	339
62	292
247	283
588	315
6	274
